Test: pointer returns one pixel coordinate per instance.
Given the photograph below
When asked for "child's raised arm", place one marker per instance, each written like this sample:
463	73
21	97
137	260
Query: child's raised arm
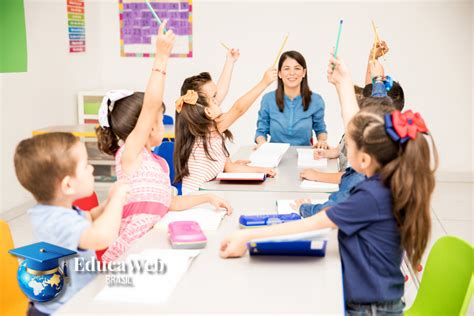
152	103
243	103
338	74
224	80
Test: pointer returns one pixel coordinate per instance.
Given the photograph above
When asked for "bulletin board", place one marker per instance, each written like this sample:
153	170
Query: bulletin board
138	28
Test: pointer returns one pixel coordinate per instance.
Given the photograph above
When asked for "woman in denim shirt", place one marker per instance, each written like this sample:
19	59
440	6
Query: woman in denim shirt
291	112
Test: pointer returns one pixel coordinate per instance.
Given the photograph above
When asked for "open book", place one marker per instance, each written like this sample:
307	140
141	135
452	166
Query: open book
303	244
284	206
268	155
241	176
306	160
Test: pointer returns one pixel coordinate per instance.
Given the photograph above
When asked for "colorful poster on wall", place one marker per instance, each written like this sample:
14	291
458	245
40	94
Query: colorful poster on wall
138	28
13	53
76	26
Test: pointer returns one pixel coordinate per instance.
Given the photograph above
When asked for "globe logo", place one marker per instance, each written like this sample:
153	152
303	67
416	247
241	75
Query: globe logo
40	287
39	275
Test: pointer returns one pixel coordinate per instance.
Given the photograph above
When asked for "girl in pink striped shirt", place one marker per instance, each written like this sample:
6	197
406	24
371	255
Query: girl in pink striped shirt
202	129
136	120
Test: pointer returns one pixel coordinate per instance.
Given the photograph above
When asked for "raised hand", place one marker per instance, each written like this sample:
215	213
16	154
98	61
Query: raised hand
164	41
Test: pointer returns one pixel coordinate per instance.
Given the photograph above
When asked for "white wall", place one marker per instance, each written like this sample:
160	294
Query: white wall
431	55
430	46
45	95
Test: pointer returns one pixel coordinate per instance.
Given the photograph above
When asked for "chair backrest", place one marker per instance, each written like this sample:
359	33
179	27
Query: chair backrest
87	203
165	150
168	120
12	299
447	283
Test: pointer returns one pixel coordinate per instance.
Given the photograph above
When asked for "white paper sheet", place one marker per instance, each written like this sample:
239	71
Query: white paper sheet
306	160
268	155
150	288
240	176
284	206
319	186
206	216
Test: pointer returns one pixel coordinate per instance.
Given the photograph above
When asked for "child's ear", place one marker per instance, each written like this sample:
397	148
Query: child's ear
208	112
365	161
66	186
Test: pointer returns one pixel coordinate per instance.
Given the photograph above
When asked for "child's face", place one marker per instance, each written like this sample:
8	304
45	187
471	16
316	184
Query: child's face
210	90
82	182
354	155
291	73
157	132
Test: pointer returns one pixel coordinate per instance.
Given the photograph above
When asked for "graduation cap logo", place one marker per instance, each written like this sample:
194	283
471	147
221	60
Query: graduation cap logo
39	275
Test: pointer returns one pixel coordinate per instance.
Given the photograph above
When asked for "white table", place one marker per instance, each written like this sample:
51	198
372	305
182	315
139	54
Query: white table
245	285
287	179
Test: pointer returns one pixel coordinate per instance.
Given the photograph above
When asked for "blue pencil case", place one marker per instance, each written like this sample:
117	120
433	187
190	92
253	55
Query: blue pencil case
248	221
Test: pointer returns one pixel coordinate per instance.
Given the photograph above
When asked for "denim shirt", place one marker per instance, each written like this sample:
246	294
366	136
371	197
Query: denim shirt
293	125
349	180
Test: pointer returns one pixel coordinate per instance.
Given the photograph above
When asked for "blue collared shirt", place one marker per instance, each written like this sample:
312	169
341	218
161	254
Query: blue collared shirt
369	243
293	125
62	227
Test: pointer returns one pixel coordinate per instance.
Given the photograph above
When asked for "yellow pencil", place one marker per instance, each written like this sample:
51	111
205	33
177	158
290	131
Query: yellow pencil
225	46
373	51
377	37
281	48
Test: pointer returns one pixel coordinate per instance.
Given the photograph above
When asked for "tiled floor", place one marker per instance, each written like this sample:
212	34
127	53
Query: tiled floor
453	214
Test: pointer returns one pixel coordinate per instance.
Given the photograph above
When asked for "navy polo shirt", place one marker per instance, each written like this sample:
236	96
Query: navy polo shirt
369	244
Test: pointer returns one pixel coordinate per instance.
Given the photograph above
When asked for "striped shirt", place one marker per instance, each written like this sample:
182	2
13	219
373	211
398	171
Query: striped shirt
201	168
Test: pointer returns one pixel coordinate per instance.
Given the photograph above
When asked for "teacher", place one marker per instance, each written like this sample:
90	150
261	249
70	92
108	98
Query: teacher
291	112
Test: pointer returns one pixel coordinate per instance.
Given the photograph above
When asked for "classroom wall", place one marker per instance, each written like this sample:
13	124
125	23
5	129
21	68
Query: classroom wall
431	55
46	94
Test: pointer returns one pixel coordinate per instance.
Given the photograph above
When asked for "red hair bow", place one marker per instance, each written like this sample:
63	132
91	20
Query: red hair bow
402	126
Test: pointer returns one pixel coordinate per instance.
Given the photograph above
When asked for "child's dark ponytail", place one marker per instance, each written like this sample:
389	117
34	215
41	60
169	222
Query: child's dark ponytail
107	141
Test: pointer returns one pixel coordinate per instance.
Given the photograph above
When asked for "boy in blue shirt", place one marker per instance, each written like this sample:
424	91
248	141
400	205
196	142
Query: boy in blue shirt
54	168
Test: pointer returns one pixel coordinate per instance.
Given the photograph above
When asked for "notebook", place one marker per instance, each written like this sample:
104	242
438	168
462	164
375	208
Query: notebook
284	206
206	216
306	160
234	176
268	155
303	244
319	186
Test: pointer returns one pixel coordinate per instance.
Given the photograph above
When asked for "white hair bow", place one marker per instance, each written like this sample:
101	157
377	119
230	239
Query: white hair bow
108	105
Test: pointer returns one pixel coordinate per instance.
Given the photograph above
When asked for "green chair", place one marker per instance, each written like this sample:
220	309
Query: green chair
447	284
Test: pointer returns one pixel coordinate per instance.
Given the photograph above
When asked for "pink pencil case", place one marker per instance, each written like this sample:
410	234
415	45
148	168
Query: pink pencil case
186	235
